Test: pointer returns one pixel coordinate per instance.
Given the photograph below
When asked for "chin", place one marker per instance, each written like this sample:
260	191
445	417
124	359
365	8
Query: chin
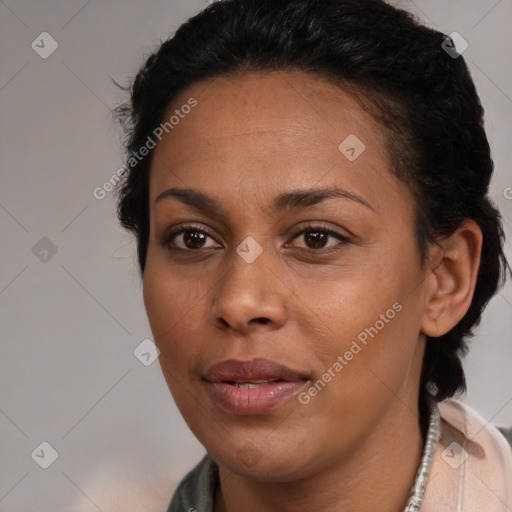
262	461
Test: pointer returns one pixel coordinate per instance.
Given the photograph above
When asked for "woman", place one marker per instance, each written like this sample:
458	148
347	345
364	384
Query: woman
307	181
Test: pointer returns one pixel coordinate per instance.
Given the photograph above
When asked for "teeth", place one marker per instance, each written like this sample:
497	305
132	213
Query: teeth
252	384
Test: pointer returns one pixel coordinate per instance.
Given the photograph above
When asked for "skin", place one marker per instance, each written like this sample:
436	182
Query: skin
358	443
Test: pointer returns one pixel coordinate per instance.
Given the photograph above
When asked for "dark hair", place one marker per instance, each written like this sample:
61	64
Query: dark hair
400	72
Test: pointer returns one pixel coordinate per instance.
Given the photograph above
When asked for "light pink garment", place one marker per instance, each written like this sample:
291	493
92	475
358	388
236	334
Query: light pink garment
472	466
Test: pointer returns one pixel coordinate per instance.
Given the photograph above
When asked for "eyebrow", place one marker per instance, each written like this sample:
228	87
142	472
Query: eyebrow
286	201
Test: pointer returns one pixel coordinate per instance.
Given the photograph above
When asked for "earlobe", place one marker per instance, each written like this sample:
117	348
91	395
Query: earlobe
451	283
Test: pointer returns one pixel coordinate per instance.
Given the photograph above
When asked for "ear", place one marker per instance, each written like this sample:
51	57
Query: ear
449	289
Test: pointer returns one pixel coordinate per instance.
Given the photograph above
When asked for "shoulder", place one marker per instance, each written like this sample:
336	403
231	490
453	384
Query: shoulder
196	492
472	465
460	416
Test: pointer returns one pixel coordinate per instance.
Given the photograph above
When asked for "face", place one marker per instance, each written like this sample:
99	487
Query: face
285	293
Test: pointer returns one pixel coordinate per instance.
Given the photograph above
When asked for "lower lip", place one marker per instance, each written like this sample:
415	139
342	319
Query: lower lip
255	400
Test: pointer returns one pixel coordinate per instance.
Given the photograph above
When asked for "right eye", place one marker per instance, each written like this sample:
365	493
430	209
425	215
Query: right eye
192	239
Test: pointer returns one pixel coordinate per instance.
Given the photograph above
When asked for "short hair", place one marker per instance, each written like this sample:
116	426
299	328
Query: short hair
400	72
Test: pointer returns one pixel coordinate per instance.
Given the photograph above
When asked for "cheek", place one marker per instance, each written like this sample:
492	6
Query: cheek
373	318
380	360
169	307
371	378
358	305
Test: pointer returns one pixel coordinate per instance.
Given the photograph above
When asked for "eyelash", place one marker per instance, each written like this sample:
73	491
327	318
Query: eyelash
168	237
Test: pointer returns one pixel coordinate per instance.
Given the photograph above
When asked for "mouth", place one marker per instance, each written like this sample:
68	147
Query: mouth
252	387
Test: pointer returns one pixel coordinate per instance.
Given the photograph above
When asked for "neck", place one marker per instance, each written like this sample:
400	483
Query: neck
377	475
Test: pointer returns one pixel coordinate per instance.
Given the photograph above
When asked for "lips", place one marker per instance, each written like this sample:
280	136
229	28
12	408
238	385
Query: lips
252	387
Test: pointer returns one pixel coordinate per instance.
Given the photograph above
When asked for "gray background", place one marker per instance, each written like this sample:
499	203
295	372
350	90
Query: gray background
70	324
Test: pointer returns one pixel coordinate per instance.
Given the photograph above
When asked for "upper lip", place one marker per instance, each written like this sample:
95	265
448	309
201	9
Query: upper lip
234	370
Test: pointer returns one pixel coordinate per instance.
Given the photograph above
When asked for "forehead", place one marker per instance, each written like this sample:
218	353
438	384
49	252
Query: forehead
254	132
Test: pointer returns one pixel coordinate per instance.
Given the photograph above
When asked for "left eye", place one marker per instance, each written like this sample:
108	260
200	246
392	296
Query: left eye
316	238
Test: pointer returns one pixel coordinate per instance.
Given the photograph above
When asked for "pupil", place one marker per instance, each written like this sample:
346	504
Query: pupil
193	237
316	238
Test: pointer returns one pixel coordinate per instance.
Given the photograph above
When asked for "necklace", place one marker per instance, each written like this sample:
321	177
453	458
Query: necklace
433	434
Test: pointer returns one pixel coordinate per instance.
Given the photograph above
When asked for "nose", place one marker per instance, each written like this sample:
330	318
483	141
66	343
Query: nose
249	296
